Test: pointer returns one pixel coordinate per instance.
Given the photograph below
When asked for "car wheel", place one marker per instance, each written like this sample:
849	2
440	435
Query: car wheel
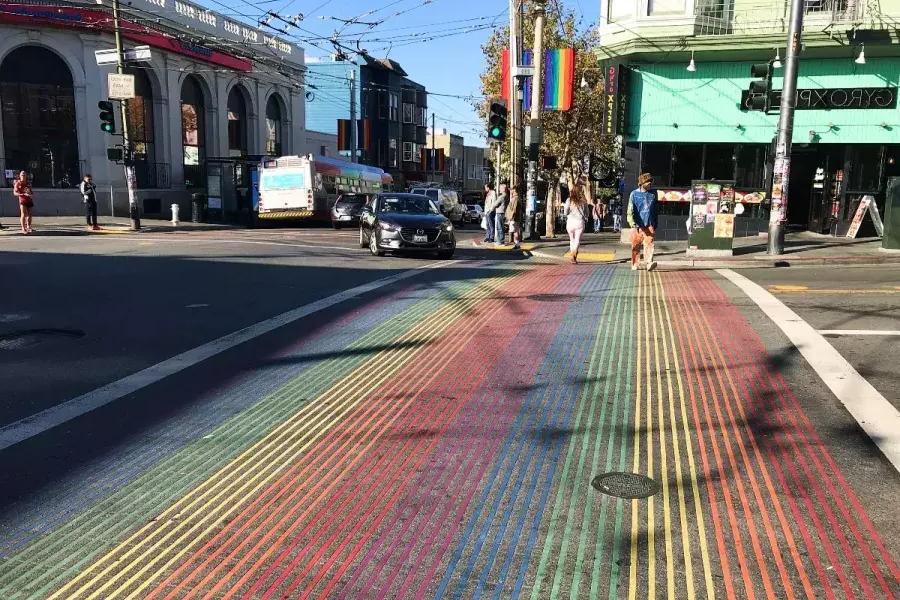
373	245
362	239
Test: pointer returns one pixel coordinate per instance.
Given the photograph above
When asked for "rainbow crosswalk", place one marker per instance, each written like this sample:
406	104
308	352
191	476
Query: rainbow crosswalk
444	448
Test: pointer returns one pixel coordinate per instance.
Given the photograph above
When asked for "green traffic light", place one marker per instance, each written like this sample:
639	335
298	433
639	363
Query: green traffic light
495	132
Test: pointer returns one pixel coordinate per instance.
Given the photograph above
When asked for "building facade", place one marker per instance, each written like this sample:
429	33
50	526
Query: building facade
453	146
215	90
391	112
475	169
677	73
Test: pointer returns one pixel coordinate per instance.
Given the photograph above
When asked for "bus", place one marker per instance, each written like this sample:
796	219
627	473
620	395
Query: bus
306	187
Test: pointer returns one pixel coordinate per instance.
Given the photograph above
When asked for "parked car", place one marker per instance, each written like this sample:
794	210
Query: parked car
405	222
446	200
346	210
473	213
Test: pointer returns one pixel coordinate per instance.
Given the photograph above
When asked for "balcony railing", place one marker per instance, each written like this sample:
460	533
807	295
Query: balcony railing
756	17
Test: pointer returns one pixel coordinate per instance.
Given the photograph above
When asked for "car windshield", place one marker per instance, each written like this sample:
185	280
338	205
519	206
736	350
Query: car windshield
351	200
433	194
407	204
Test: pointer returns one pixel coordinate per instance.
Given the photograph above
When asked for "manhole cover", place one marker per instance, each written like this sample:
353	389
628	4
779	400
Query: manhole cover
27	338
554	297
625	485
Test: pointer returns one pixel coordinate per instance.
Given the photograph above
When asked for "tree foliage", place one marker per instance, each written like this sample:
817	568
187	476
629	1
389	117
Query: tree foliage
572	136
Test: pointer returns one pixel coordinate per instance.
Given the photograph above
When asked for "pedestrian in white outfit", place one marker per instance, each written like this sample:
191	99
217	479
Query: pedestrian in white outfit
576	211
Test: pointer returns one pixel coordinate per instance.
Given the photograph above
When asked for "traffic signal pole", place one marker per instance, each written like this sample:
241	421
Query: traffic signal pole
536	101
128	153
781	173
515	111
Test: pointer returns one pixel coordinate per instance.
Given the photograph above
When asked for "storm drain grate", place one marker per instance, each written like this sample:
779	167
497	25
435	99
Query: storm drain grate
625	485
28	338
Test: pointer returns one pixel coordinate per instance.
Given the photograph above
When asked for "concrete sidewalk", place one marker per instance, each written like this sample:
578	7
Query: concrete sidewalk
108	225
802	248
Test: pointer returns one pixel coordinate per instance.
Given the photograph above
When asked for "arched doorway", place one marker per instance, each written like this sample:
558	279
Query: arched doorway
193	131
39	132
141	132
237	123
274	119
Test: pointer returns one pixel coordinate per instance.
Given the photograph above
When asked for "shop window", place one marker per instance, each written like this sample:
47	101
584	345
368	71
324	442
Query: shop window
865	167
719	161
38	115
687	164
656	159
751	165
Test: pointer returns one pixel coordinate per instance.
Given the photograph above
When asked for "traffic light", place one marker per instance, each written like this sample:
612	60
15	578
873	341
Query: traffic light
497	122
107	116
758	98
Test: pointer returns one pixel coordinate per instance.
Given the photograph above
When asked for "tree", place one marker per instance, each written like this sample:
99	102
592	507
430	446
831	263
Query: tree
572	136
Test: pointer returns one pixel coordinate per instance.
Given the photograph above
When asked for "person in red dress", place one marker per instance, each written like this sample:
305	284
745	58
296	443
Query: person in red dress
22	190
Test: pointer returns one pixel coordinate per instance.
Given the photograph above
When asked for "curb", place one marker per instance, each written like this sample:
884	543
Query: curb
753	263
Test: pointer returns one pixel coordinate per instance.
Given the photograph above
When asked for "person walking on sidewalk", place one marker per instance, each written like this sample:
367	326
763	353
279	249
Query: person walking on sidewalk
576	211
513	216
599	215
89	197
643	218
615	208
490	199
22	190
499	213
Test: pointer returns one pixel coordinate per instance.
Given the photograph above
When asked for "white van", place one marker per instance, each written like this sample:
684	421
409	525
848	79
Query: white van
446	200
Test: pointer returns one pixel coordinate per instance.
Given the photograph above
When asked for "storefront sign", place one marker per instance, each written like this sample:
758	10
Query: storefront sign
834	98
866	204
744	197
615	98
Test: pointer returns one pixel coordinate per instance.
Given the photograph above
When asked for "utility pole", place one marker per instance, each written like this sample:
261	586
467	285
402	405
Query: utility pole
353	125
433	151
130	183
536	101
515	111
782	170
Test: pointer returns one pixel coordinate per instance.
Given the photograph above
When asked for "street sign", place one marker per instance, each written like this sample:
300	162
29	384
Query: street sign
121	87
111	56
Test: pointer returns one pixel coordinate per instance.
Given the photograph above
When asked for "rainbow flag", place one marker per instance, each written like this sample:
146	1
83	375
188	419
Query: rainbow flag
558	78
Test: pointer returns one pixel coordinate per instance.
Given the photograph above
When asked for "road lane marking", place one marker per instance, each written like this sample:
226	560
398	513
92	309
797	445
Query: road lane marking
45	420
889	332
877	417
801	289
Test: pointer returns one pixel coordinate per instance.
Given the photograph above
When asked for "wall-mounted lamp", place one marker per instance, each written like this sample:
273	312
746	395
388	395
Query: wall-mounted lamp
776	64
813	136
675	125
861	59
691	65
739	127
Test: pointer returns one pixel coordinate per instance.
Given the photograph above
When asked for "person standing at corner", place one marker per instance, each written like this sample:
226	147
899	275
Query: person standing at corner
513	216
499	210
643	218
89	197
490	198
576	210
22	190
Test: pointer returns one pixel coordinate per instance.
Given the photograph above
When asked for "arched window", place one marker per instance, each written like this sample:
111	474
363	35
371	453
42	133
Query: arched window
237	123
39	117
193	131
273	126
140	130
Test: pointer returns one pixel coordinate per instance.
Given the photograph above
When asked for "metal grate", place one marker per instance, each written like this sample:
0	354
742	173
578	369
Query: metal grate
632	486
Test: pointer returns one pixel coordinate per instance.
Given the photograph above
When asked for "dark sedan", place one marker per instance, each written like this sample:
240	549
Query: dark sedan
347	209
405	222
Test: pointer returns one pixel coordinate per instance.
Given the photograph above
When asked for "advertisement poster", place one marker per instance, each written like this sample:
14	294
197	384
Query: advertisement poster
724	227
698	206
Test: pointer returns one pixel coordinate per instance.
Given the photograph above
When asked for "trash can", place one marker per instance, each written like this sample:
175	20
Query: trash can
198	208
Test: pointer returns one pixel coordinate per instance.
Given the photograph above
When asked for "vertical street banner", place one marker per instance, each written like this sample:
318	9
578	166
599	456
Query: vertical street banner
363	134
558	78
616	83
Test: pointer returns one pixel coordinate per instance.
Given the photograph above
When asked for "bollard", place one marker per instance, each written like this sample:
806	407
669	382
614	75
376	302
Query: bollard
174	214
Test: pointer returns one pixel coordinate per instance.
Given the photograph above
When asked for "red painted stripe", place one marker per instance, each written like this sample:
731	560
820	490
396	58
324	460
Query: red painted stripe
813	447
498	344
326	453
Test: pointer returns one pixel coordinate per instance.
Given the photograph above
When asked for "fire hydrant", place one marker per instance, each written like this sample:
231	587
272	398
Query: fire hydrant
174	214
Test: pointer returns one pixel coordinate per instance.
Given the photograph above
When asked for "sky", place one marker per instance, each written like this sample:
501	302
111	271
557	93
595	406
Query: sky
450	64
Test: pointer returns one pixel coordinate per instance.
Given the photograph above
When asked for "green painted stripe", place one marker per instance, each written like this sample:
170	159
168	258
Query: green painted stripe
48	561
616	342
625	447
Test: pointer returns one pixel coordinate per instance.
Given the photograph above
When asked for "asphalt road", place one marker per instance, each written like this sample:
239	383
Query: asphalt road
438	436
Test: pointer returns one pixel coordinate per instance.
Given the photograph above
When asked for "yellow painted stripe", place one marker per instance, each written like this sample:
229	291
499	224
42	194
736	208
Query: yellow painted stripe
677	366
507	247
594	256
651	504
340	400
285	214
799	289
662	428
632	571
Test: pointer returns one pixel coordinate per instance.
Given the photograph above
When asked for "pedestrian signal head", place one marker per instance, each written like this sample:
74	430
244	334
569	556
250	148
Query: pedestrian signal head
107	116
